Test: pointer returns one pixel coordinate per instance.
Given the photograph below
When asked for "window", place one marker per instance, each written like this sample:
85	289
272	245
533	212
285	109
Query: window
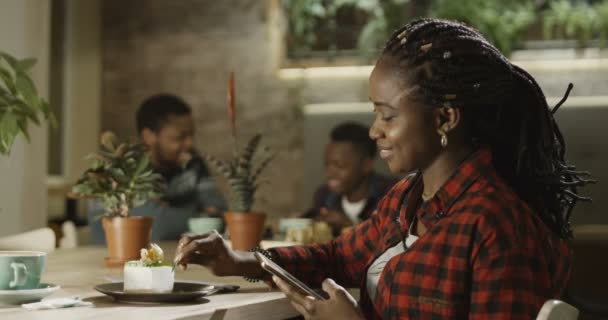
334	30
354	30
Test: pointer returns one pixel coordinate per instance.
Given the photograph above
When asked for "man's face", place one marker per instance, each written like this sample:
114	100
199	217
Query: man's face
345	167
171	146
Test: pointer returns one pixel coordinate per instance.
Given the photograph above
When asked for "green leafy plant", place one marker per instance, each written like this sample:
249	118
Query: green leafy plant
384	18
20	103
601	11
578	20
241	173
302	16
502	22
315	24
120	177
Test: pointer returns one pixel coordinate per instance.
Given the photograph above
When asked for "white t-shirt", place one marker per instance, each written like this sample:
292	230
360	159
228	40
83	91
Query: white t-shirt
353	209
376	268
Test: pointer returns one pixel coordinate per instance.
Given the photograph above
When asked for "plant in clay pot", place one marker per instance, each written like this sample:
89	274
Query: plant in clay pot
242	174
120	178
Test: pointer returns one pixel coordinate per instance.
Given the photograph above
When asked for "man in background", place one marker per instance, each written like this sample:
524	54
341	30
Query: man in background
166	126
352	188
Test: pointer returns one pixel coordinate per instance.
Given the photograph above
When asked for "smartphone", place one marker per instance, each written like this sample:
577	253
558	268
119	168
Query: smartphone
276	270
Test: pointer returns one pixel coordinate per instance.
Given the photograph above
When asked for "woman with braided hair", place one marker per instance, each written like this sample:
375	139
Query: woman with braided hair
478	229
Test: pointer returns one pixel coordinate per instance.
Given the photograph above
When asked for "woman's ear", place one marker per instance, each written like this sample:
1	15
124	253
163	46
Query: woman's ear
447	119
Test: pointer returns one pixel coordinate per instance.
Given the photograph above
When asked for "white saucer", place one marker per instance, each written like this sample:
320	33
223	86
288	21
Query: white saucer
27	295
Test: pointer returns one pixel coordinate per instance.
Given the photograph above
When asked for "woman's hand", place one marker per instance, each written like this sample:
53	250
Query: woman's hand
210	250
340	305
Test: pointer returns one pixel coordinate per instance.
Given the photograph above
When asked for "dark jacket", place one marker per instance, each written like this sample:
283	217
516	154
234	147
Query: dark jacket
324	198
192	186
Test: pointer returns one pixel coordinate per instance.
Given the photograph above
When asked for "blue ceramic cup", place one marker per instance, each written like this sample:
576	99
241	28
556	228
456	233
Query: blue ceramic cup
21	269
205	224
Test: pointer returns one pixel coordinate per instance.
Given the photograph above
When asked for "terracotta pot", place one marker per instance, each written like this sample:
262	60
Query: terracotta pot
125	237
245	229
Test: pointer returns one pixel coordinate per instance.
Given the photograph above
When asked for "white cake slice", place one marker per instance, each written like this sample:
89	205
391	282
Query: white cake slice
149	274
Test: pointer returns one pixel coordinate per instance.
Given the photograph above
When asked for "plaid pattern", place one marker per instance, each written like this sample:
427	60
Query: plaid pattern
485	255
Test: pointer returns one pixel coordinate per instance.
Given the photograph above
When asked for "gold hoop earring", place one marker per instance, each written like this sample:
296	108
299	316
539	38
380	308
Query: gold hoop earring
444	140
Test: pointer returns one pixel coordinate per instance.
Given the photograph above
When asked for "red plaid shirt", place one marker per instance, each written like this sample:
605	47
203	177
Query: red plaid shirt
485	254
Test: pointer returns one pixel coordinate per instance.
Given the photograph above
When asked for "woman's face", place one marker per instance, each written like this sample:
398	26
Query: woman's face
405	132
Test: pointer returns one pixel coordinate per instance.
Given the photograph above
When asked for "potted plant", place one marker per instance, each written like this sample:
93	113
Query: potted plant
244	225
120	178
20	104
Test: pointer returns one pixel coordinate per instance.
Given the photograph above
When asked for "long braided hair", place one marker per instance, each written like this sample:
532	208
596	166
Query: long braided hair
451	64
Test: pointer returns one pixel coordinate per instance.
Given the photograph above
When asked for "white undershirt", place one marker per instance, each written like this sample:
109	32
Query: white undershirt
353	209
376	268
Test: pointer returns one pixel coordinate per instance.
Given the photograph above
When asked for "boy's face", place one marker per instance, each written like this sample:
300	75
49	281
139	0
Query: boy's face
171	146
345	167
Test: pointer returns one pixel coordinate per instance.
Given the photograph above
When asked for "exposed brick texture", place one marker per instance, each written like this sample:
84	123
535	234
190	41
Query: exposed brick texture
188	47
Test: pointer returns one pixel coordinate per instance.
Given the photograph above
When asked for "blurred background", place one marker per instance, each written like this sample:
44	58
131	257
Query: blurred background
301	67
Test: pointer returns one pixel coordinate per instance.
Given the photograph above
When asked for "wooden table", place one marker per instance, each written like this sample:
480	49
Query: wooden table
78	270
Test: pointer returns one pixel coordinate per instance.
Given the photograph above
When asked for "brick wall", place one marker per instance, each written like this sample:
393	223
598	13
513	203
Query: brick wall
187	47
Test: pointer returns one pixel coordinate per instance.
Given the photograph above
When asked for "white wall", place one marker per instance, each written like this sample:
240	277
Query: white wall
24	32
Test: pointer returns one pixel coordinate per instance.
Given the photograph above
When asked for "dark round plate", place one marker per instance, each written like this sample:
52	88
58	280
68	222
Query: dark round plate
182	292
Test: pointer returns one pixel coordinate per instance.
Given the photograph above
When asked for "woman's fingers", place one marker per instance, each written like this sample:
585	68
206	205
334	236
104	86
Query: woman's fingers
178	260
184	240
300	309
307	303
330	286
336	291
196	249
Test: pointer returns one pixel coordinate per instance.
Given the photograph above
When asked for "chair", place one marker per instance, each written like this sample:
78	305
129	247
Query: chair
36	240
557	310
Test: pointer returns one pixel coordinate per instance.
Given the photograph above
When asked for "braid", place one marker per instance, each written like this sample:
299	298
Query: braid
505	109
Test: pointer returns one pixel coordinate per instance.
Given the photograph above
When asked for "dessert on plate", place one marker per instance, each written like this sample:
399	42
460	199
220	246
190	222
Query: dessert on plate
150	273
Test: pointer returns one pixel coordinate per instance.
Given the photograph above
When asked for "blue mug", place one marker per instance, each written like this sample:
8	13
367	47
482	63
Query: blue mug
205	224
21	269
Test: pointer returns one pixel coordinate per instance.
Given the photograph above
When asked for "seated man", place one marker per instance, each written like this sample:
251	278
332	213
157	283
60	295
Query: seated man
165	125
352	189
